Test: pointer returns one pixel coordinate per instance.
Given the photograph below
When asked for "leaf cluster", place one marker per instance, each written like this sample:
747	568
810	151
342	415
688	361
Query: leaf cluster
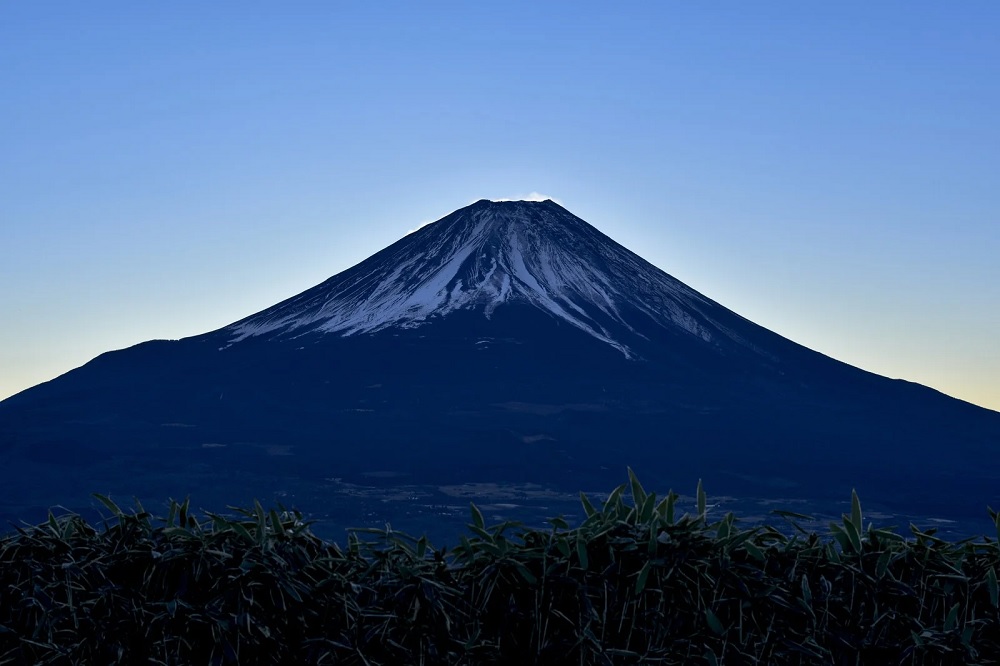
633	583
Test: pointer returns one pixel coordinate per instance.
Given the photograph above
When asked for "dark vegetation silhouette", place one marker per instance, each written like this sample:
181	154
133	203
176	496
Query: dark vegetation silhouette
633	583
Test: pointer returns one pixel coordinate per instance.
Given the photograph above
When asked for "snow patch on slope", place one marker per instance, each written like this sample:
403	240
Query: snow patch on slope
483	257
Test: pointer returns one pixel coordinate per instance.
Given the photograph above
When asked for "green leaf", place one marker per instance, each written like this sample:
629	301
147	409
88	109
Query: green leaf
182	512
640	581
856	511
276	525
491	548
991	583
883	564
725	526
525	574
661	508
172	514
702	503
588	508
648	506
613	498
952	618
69	529
841	536
625	654
53	524
466	547
791	514
669	509
713	622
242	531
581	552
481	533
638	494
559	523
737	538
106	501
261	521
754	551
852	535
477	516
887	535
806	592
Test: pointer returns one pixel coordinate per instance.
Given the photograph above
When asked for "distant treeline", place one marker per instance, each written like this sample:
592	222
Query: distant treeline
634	583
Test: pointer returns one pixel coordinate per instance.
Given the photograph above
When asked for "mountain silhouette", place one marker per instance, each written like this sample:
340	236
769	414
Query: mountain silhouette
509	345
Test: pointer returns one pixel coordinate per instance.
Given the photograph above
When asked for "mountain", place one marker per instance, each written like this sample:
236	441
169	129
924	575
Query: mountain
509	352
491	255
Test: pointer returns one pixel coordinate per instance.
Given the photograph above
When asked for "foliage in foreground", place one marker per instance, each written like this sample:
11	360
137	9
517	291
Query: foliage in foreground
632	584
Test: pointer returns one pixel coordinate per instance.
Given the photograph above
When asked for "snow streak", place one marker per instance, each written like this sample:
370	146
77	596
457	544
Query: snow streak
488	255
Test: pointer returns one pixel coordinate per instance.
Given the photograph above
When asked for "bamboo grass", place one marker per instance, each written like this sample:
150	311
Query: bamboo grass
633	583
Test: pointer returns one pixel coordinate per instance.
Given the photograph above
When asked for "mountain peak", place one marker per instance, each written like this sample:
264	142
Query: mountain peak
515	202
494	210
508	344
489	255
511	208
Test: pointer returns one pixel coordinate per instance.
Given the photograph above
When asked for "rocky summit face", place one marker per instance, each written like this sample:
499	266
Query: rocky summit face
510	354
490	255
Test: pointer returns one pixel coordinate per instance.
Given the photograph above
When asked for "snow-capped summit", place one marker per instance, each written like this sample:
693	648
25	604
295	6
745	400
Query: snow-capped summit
507	346
488	255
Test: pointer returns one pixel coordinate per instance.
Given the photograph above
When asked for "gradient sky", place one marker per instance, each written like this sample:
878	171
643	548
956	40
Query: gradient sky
828	170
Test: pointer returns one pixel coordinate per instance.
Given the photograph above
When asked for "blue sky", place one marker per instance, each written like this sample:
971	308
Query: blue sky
828	170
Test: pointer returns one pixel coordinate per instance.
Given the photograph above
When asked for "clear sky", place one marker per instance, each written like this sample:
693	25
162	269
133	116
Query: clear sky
828	170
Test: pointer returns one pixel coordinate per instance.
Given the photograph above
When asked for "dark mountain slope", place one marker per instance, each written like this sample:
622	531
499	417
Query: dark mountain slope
507	343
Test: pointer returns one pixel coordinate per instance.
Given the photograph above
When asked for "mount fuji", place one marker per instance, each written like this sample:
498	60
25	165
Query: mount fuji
488	256
509	352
